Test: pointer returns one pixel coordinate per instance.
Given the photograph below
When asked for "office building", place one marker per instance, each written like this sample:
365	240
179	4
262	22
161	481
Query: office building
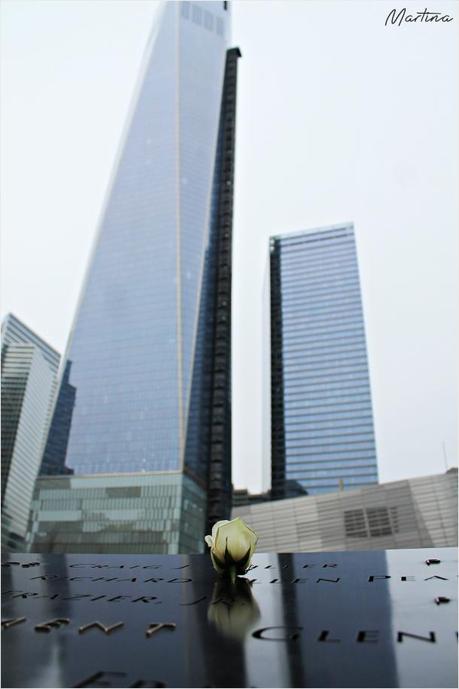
322	434
414	513
156	512
29	379
148	359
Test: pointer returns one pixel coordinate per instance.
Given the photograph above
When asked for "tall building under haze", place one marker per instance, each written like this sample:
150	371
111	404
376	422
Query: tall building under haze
322	435
147	368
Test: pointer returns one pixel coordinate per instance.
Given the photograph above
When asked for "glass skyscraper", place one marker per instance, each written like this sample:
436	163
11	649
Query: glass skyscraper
322	435
29	380
149	351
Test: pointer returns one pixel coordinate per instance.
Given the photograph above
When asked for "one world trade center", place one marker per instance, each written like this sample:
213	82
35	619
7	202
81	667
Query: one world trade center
139	447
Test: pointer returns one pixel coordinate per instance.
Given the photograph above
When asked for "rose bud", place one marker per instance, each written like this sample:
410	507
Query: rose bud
232	545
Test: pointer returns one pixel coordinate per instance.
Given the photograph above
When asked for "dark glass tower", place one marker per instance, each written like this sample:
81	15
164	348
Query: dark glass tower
147	369
322	434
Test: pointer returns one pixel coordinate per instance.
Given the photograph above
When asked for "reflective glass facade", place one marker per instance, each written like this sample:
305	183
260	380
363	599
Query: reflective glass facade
134	349
321	414
125	513
29	381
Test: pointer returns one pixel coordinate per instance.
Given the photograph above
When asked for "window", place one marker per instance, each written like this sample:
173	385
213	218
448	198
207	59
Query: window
373	522
354	524
379	521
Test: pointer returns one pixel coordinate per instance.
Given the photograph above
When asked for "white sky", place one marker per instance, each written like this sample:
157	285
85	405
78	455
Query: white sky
339	119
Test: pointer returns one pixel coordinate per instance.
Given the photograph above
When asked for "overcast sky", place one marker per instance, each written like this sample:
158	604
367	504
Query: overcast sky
340	118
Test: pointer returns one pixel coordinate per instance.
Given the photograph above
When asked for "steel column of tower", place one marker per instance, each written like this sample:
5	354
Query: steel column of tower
277	380
219	476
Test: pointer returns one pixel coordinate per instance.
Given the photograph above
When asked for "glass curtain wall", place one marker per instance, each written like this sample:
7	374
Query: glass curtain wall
322	419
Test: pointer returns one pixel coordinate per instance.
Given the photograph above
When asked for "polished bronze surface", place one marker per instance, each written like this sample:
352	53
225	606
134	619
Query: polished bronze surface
341	619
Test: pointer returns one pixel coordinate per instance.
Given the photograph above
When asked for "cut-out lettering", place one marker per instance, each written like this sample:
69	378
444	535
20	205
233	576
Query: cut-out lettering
323	636
368	636
289	636
6	624
429	639
10	563
110	579
86	565
116	598
99	625
52	624
155	627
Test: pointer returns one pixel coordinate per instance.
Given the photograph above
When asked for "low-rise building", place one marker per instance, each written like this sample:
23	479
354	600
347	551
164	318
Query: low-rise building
414	513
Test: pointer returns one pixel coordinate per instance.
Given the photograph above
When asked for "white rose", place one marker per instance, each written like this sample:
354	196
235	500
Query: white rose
232	545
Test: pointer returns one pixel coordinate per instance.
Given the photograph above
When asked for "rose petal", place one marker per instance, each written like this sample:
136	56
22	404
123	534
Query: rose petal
216	527
236	537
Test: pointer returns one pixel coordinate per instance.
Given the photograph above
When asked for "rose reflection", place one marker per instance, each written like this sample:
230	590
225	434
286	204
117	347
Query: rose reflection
233	610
